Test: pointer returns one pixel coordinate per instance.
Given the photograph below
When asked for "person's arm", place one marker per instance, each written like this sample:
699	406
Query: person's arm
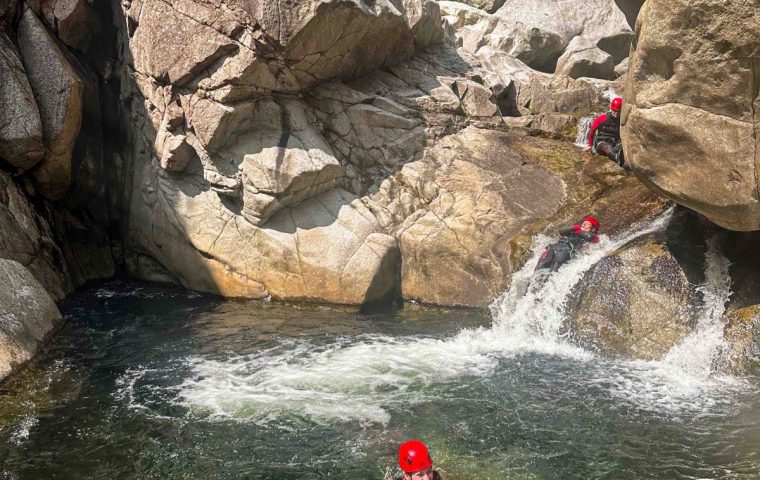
597	122
588	236
567	231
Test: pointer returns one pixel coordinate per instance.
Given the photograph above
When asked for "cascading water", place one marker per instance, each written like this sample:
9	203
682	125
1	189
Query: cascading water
698	354
538	315
584	125
359	377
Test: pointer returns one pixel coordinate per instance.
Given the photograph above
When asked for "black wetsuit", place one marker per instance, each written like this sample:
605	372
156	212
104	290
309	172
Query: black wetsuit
607	140
556	254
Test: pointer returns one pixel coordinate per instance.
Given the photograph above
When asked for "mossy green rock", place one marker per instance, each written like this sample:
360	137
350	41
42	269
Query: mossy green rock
743	335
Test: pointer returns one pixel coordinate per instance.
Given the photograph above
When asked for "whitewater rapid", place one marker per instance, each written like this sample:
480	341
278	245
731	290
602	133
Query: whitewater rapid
360	377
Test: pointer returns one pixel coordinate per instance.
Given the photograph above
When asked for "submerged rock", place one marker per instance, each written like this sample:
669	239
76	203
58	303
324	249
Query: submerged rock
27	316
634	303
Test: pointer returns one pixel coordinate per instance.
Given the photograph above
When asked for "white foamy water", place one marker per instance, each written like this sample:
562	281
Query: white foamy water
22	430
700	352
584	125
358	378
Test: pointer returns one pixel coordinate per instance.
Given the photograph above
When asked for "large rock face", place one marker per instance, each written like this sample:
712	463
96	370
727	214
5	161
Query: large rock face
27	316
239	190
20	128
236	185
634	303
456	211
293	47
58	89
692	113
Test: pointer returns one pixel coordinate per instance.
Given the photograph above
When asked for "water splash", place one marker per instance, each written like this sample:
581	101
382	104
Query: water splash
361	378
538	315
584	125
20	434
609	94
699	353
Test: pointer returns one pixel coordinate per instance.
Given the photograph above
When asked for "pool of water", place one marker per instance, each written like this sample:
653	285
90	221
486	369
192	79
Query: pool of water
157	382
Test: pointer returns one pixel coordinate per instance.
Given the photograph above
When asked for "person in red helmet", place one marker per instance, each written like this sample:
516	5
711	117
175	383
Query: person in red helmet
572	239
604	135
414	460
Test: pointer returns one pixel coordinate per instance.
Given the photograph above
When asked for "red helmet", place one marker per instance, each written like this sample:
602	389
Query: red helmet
594	222
413	456
616	103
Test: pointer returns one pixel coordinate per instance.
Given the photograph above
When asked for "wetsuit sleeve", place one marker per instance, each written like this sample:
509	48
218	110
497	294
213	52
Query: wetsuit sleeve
597	122
588	237
566	231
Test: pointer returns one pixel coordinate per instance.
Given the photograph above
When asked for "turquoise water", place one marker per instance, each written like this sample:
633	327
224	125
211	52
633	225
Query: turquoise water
157	382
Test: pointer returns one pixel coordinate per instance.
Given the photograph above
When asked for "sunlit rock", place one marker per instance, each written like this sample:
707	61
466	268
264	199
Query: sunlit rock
57	88
690	107
20	127
743	335
540	33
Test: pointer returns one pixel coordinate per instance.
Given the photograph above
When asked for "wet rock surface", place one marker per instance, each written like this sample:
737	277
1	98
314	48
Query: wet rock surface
27	316
635	303
743	334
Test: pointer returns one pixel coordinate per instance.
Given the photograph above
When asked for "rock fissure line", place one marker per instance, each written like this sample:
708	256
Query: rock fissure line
298	249
197	22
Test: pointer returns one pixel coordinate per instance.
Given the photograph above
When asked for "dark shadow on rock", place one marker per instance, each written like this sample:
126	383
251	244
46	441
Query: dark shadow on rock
685	238
630	9
741	248
392	300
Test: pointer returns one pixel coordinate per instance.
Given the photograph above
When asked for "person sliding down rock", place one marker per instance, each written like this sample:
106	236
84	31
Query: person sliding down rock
604	135
572	240
414	460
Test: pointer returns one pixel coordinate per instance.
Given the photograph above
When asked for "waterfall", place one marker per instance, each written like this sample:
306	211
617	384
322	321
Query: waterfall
539	315
584	125
699	353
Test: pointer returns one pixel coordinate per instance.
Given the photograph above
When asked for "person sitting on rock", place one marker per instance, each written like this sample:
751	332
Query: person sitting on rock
604	135
414	460
572	240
